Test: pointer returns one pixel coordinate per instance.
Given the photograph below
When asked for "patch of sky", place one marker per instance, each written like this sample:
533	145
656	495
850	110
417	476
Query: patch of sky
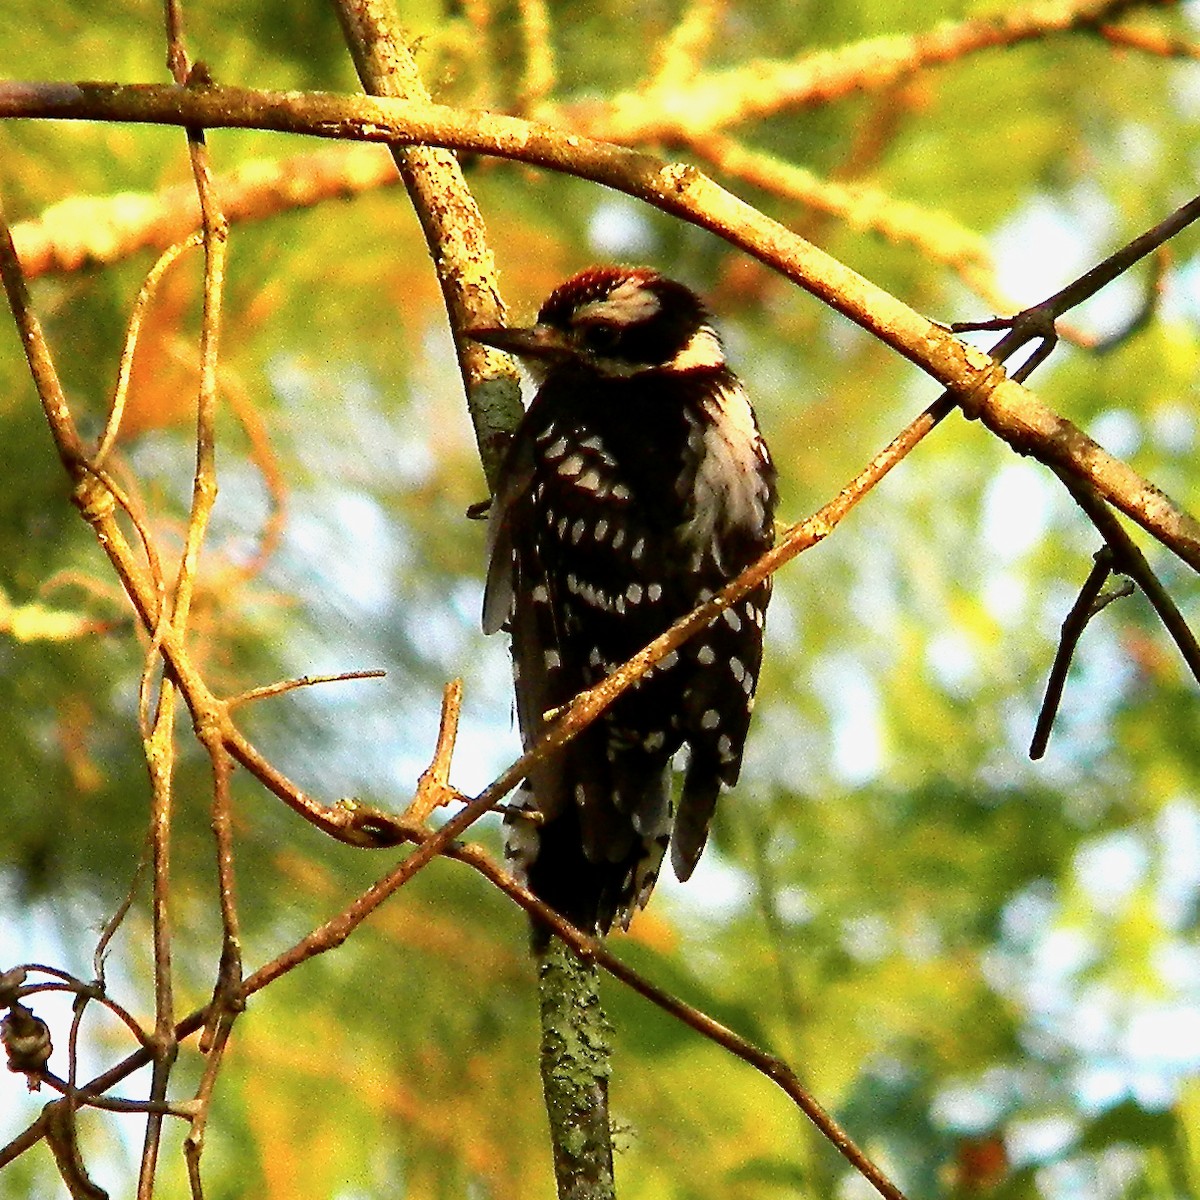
1178	882
345	548
1040	1139
856	718
1118	431
979	1105
619	229
1016	510
954	663
1111	868
1117	1043
717	891
1182	300
346	427
1050	241
1173	428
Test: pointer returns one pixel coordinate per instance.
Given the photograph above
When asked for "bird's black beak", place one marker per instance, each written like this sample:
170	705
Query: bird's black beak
536	341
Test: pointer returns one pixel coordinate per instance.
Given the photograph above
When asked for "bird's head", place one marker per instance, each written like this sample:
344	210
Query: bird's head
617	322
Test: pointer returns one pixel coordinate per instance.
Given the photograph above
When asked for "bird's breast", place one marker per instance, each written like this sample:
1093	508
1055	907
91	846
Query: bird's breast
726	474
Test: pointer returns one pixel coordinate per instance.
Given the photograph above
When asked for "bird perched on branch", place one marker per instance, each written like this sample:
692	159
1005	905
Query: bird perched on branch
635	487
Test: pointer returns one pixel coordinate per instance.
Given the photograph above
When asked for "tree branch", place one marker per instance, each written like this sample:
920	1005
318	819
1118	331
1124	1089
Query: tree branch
1006	408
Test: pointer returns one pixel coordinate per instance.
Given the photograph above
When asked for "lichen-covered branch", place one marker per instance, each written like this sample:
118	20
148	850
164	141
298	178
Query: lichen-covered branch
575	1069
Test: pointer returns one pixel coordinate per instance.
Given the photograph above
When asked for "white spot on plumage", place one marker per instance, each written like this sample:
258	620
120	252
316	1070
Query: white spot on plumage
633	593
737	668
654	741
668	660
621	492
561	527
521	838
725	747
601	530
732	620
578	530
570	467
711	719
639	548
589	480
540	594
619	538
552	659
557	450
654	591
706	655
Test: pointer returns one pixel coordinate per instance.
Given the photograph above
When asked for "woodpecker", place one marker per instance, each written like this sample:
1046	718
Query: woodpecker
636	485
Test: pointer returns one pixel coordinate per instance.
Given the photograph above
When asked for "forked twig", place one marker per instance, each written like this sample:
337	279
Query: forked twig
1082	611
433	787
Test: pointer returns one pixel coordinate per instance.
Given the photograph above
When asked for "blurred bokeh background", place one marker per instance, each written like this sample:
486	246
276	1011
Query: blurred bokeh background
986	967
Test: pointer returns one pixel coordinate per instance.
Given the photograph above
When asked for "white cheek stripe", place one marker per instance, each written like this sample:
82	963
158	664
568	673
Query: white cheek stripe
703	351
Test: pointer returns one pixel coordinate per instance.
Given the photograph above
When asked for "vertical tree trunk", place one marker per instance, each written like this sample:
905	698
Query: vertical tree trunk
575	1069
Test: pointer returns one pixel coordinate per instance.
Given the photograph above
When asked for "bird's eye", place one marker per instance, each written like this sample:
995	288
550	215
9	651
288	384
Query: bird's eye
599	338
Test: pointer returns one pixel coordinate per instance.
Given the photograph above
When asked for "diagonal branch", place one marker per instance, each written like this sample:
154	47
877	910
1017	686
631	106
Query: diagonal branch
1007	409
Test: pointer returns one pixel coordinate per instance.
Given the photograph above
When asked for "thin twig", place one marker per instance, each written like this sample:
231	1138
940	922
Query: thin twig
61	1136
114	922
287	685
1152	293
433	787
220	1020
1073	626
160	758
112	427
1129	560
588	948
79	988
